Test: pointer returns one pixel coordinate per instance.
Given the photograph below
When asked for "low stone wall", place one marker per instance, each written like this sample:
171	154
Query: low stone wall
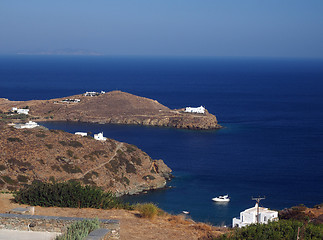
111	228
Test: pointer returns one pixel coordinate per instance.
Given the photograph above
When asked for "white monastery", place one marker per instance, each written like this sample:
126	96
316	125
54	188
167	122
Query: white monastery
29	124
99	137
83	134
254	215
200	109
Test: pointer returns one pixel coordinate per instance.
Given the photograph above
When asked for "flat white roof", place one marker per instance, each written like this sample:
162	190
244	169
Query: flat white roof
261	209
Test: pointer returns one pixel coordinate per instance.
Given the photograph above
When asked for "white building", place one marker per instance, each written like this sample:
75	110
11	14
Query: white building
83	134
23	111
200	109
76	100
93	94
99	137
29	124
20	111
250	215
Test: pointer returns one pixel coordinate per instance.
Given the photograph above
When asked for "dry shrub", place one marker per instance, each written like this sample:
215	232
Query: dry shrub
209	232
203	227
179	219
148	210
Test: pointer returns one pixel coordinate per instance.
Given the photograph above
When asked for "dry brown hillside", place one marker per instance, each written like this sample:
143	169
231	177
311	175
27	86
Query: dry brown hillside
41	154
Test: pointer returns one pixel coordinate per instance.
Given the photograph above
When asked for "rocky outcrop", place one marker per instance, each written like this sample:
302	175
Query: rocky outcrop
115	107
40	154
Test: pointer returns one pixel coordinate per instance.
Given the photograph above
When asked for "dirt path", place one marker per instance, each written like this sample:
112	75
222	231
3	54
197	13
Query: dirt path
119	145
131	226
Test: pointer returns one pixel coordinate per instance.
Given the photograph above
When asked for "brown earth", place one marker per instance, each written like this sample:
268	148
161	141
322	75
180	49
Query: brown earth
131	225
41	154
303	213
113	107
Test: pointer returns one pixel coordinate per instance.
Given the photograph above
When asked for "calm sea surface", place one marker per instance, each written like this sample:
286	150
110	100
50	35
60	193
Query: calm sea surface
272	110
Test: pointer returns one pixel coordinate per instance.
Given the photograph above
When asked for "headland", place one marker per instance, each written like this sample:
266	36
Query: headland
46	155
113	107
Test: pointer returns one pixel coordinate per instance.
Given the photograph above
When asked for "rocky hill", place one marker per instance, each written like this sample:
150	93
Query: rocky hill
113	107
41	154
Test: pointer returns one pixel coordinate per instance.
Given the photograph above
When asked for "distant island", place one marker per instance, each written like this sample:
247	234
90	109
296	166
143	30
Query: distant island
64	52
114	107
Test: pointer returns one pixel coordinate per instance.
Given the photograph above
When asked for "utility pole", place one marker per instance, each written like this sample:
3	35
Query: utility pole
257	199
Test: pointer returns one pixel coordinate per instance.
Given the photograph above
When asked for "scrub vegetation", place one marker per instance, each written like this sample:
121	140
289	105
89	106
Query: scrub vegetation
67	194
79	229
281	230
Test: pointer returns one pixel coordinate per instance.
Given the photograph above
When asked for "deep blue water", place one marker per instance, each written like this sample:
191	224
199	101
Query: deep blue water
272	143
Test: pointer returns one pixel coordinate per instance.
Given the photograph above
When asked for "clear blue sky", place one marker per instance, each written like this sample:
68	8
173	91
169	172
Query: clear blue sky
266	28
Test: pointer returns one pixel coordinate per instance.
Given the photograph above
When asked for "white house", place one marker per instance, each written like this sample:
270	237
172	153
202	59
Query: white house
250	215
20	111
99	137
23	111
76	100
29	124
93	94
83	134
200	109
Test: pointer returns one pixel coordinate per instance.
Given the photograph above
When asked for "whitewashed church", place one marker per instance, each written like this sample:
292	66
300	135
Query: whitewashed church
253	215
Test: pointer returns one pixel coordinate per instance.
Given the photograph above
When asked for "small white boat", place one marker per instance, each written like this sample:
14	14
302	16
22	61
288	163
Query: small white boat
186	212
224	198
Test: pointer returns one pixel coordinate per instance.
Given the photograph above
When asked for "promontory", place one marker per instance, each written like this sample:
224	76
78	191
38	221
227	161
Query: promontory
53	155
114	107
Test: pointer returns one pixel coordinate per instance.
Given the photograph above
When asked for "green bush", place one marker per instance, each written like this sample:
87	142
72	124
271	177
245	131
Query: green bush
2	167
56	168
14	139
1	182
49	146
79	230
9	180
75	144
15	162
150	177
281	230
41	135
71	168
130	168
70	153
41	161
125	180
98	152
67	194
22	178
131	148
136	160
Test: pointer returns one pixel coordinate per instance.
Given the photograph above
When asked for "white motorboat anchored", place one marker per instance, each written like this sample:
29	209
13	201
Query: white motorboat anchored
224	198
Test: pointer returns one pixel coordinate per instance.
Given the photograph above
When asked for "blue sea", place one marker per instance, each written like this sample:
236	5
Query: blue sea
271	109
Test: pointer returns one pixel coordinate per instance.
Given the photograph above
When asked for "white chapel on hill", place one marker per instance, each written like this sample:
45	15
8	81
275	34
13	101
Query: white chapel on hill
254	215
